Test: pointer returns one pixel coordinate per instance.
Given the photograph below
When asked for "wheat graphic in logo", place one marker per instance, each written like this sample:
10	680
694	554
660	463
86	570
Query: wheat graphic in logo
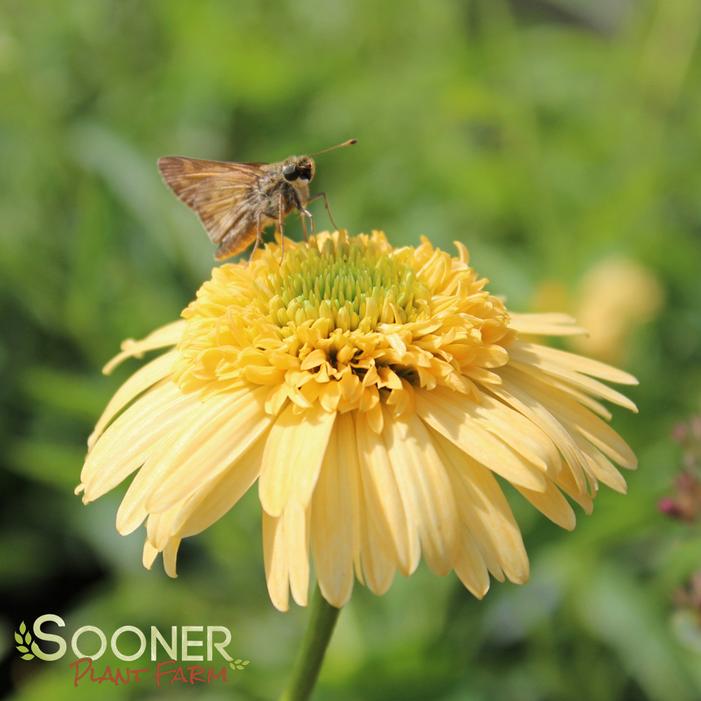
239	664
23	638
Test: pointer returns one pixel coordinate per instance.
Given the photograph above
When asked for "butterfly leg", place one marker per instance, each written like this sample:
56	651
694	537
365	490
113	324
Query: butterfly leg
280	211
322	196
303	220
309	216
259	236
304	214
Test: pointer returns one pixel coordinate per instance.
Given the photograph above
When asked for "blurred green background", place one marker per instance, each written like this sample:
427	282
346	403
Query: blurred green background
559	139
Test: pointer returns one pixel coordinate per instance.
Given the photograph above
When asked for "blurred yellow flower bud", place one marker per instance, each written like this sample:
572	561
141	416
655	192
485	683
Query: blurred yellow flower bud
614	298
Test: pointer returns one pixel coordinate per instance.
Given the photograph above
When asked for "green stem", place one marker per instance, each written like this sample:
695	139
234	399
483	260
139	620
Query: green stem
322	619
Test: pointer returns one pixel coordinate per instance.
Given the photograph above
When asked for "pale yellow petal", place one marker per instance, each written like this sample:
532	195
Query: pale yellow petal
486	513
293	454
149	555
470	567
602	468
425	488
573	361
206	418
521	399
297	546
378	554
332	525
160	527
170	555
535	366
239	425
215	500
132	510
567	483
380	479
378	557
604	438
578	420
128	442
160	338
139	382
580	396
552	504
545	325
159	399
347	446
453	420
517	431
276	565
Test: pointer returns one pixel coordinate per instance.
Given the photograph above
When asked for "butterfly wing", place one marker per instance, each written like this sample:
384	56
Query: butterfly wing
218	191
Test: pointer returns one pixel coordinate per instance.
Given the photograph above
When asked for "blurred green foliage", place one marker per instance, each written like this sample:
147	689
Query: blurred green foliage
546	134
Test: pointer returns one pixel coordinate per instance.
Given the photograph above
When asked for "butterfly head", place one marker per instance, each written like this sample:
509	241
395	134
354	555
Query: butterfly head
298	168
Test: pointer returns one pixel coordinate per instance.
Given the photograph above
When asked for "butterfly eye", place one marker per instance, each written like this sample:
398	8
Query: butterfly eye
289	172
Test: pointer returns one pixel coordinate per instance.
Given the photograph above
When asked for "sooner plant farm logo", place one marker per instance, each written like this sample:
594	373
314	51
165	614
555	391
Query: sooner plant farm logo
171	654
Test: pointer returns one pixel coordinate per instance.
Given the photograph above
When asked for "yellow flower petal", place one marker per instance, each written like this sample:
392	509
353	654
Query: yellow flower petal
128	442
296	531
170	556
453	420
545	325
569	485
139	382
578	363
516	431
426	490
209	504
347	446
293	454
382	491
132	511
553	505
200	457
520	399
276	562
486	513
378	557
602	468
149	555
470	567
167	335
332	524
160	527
578	420
535	365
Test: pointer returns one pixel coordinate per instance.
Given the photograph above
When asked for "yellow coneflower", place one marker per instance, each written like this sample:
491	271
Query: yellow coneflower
615	297
375	394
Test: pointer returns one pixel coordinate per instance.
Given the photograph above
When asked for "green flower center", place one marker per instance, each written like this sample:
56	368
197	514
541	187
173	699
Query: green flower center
348	284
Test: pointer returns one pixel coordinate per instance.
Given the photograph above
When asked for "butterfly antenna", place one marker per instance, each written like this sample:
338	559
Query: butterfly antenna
350	142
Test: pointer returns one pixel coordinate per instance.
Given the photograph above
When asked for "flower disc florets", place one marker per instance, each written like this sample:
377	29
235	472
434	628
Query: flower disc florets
349	323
